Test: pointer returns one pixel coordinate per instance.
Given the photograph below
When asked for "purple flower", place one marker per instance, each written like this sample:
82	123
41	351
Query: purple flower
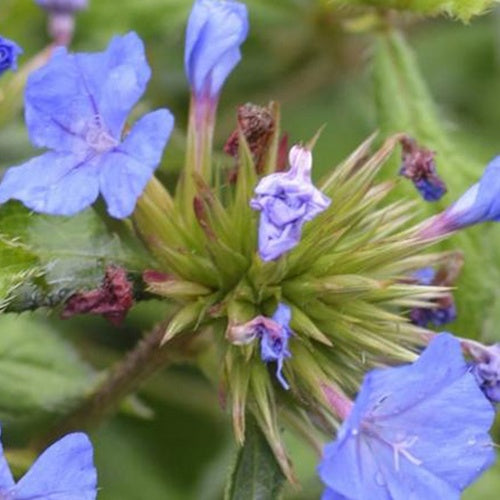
486	369
63	5
9	52
416	431
76	106
419	166
444	310
287	200
274	340
480	203
215	31
64	471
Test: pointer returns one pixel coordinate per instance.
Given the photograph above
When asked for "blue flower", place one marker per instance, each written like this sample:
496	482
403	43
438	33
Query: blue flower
480	203
64	471
215	31
419	166
274	340
9	52
76	106
415	432
63	5
287	200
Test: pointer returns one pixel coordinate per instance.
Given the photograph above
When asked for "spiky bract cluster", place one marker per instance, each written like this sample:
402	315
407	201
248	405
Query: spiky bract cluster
347	283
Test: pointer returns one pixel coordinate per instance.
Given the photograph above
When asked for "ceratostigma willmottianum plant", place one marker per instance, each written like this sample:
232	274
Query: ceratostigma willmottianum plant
291	290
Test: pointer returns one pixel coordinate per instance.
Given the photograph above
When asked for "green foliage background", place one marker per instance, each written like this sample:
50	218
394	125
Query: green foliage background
175	442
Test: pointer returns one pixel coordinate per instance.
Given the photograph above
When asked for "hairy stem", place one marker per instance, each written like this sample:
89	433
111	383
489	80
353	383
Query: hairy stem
146	359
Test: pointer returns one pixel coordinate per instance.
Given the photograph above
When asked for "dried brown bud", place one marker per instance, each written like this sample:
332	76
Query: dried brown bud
112	300
257	125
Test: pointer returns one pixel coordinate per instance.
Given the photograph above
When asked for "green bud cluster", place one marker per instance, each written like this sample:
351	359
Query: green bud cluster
348	284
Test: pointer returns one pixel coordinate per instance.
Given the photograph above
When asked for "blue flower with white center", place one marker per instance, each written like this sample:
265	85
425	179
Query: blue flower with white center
286	201
415	432
77	106
64	471
274	340
215	31
9	52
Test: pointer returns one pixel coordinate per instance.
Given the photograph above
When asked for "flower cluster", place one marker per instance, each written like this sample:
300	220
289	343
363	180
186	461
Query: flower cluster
9	52
339	299
286	201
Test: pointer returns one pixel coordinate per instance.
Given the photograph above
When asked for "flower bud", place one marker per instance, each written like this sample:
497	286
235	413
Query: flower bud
215	31
63	5
61	23
419	166
9	51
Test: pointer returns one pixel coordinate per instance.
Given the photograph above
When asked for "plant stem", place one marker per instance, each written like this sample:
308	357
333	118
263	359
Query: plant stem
146	359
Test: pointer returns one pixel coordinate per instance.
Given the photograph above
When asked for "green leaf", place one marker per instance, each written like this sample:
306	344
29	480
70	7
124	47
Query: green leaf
256	475
40	374
43	259
17	265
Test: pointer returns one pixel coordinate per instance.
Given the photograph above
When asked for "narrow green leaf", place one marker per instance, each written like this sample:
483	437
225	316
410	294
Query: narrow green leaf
256	475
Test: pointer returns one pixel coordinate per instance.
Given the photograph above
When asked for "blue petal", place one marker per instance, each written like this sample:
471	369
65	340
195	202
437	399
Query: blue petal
349	467
71	92
481	202
54	183
214	34
65	471
274	241
127	74
6	479
425	275
148	137
282	315
489	190
125	171
329	494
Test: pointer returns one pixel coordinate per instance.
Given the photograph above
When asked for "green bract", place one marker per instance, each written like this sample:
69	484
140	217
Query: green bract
346	283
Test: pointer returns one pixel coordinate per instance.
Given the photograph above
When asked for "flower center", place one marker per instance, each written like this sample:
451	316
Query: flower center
98	138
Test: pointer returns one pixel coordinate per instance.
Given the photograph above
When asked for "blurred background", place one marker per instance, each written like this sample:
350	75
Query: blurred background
175	443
